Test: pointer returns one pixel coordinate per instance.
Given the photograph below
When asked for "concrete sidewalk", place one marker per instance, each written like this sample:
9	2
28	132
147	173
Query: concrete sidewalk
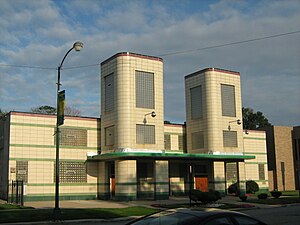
145	203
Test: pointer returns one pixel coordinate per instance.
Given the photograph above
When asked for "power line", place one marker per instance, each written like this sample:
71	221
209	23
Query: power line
29	67
229	44
166	54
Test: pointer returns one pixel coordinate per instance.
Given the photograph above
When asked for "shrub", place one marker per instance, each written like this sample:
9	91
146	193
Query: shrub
243	198
234	189
205	197
262	196
251	187
276	194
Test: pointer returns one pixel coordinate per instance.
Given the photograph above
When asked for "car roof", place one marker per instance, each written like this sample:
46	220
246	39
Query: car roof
205	212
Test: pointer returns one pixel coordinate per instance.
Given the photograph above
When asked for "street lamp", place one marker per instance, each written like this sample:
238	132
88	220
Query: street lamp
59	121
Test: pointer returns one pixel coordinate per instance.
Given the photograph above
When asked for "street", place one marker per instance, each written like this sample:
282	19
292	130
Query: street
286	215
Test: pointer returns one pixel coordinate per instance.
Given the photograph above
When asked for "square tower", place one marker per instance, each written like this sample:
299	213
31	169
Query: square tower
132	110
214	112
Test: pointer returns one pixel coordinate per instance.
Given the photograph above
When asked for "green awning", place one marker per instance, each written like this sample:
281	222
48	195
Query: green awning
166	156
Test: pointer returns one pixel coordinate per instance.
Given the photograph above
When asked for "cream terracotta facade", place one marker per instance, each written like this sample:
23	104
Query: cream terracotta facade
131	153
30	155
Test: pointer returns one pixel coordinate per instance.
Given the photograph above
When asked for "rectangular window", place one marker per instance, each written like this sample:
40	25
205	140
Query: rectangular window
261	172
22	171
196	102
73	137
230	138
228	100
109	136
145	134
144	89
109	92
197	140
72	172
181	142
167	141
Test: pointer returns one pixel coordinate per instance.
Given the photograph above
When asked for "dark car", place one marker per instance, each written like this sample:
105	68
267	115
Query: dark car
183	216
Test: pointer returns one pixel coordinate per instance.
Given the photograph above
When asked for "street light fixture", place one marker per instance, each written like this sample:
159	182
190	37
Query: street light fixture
59	121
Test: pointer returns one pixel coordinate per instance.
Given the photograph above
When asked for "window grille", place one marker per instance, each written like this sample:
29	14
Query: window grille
22	171
109	93
228	100
167	141
145	134
261	172
196	102
72	137
144	89
229	138
71	172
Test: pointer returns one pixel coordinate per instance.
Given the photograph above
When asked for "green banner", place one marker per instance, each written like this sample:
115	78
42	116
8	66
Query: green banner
61	107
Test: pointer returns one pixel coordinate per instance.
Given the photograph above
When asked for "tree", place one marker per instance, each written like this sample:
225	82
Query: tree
253	120
46	109
2	114
71	111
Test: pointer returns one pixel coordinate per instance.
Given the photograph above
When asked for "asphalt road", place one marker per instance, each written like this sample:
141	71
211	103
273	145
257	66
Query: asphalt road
285	215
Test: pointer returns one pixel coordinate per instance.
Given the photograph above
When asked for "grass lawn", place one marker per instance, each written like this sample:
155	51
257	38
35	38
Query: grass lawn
287	197
31	215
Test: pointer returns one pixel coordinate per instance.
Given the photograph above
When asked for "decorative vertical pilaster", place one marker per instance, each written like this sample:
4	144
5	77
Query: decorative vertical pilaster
161	179
125	177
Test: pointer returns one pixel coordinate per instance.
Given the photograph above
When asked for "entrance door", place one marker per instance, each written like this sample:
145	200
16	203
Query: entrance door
201	183
112	186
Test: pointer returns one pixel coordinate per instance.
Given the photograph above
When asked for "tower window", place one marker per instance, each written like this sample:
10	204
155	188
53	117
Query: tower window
228	100
145	134
196	102
144	89
230	138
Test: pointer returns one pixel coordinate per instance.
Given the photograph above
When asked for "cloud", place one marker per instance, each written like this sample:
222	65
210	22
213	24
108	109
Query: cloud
40	32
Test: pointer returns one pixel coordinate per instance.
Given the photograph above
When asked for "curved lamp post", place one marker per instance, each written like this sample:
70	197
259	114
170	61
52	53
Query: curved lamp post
56	212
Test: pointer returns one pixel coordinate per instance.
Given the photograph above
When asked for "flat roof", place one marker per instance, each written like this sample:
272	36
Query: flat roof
134	155
132	55
212	69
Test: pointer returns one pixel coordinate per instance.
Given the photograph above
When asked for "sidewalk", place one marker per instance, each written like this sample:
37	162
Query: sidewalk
145	203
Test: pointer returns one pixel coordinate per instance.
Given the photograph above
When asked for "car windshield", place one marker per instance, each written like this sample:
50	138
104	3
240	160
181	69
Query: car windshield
169	218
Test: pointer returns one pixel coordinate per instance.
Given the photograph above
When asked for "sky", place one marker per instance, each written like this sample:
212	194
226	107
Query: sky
258	38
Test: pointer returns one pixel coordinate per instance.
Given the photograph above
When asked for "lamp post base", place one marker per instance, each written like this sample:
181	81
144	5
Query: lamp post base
56	214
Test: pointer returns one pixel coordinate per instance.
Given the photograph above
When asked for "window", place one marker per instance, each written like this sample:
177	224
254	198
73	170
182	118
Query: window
22	171
246	220
181	142
196	102
72	172
144	89
109	136
230	138
219	221
198	140
228	100
73	137
109	92
261	172
167	141
145	134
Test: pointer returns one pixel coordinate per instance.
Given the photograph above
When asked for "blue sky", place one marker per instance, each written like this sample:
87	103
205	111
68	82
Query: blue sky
37	34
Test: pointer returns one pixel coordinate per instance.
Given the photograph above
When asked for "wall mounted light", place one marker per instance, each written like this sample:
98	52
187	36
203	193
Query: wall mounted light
153	114
238	122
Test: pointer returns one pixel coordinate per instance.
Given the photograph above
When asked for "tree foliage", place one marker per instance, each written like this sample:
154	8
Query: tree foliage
253	120
2	114
46	109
